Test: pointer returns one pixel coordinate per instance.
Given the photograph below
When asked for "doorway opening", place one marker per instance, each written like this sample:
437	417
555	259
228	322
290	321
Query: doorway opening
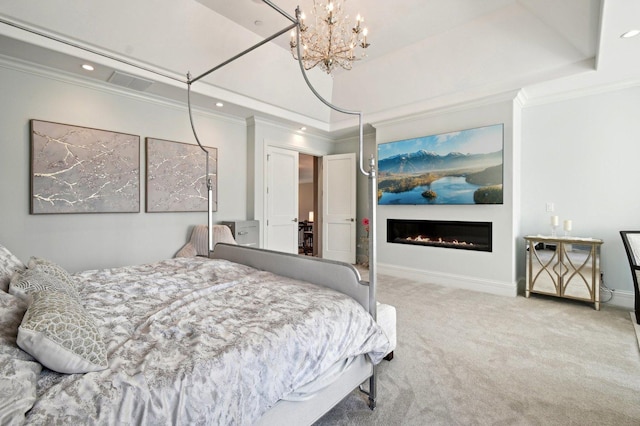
308	212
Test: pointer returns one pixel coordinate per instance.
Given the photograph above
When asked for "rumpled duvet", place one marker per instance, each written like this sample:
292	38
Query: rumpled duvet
200	341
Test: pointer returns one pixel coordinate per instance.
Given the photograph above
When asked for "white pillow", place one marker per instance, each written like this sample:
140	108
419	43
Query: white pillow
8	265
60	334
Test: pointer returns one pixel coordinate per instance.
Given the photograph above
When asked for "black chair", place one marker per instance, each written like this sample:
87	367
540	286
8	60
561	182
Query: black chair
631	241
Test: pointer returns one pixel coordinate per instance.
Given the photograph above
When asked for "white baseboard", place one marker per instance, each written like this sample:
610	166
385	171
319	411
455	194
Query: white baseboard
450	280
620	298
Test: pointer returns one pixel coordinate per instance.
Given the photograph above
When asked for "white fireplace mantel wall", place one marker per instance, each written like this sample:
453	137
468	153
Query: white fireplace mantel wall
493	272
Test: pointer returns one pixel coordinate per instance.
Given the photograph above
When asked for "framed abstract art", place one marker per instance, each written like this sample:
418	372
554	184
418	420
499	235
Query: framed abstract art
177	177
78	169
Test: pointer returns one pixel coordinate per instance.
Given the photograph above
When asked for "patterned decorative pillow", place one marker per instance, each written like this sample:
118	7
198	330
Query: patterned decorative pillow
18	370
23	284
52	269
60	334
8	265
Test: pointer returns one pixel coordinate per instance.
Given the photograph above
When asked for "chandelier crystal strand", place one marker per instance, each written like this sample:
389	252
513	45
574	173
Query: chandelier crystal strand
332	40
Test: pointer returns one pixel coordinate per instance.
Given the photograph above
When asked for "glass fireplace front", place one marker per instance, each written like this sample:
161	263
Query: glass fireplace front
441	233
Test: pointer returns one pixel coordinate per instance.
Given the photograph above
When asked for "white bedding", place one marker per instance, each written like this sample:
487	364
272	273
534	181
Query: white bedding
200	341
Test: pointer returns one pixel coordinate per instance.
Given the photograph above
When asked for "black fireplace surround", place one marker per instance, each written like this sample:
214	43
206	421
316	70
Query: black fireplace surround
441	233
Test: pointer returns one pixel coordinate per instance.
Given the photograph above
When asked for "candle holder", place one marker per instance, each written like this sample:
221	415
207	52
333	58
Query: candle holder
554	225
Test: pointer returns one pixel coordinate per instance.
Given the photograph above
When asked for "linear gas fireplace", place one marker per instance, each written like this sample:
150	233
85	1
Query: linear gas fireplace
441	233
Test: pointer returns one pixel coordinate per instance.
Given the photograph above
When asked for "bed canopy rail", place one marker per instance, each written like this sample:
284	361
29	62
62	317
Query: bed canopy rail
371	173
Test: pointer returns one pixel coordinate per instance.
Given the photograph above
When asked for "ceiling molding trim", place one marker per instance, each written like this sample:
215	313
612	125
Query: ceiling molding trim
290	128
580	93
370	132
43	39
47	40
507	96
521	99
67	78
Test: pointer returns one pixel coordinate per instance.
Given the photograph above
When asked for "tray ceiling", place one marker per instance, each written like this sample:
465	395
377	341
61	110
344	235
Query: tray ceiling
425	54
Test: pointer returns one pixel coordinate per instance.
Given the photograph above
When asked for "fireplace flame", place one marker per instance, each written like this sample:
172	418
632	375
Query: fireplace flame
439	240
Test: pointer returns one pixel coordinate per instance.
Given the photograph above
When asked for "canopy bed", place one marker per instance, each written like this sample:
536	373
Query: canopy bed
235	339
243	336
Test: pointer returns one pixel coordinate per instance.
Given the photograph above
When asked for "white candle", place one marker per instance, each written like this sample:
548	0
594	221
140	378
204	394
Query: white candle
567	225
554	220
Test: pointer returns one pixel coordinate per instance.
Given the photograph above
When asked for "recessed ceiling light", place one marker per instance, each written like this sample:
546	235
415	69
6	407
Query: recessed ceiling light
219	104
630	33
302	129
87	67
257	23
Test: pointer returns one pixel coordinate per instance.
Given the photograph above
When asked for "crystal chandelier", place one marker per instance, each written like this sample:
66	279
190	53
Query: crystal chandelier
331	41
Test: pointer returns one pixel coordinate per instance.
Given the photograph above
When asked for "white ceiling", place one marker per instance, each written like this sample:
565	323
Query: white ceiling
424	54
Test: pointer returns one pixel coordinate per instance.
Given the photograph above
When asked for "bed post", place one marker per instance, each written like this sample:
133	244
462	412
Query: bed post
373	306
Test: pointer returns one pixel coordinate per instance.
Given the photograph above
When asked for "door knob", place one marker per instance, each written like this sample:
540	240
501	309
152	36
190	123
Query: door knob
350	220
295	219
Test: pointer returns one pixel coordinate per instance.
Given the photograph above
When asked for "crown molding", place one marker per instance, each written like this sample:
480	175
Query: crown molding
292	128
507	96
72	79
582	92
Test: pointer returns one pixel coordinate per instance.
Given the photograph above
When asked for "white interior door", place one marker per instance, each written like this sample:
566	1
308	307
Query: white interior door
282	200
339	207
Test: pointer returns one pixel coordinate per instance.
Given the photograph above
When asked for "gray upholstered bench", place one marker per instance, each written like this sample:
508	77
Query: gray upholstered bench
387	321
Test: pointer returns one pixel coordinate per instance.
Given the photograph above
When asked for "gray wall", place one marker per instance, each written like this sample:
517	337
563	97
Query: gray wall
493	271
579	153
582	155
85	241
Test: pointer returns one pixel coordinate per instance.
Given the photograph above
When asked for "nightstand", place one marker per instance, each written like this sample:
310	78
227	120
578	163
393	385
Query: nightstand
245	232
564	267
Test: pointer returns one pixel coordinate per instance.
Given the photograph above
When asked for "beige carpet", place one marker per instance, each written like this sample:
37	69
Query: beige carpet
469	358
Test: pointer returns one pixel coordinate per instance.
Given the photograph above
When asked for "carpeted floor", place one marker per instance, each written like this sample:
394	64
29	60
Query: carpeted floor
469	358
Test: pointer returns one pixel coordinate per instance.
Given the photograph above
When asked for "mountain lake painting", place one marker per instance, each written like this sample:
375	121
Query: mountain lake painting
462	167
